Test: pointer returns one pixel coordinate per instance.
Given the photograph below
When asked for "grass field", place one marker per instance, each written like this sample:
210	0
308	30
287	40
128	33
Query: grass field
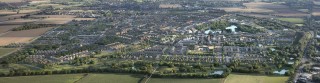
239	78
5	51
110	78
292	20
168	80
70	78
129	78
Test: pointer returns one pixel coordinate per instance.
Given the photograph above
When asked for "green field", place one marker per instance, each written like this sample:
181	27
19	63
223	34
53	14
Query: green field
4	51
242	78
110	78
70	78
130	78
168	80
292	20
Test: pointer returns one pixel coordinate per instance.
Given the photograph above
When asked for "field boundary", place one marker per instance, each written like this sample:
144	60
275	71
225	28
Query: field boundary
84	75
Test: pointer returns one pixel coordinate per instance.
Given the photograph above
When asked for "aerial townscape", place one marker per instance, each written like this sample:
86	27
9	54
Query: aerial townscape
159	41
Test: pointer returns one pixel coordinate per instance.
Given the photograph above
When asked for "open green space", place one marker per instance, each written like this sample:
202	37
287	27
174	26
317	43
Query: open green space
67	78
170	80
131	78
110	78
292	20
5	51
245	78
72	78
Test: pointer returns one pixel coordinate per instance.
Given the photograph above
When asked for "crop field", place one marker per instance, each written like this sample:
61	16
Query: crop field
27	33
82	10
259	15
8	40
55	21
52	16
316	12
7	12
258	10
169	80
264	5
11	1
5	51
11	12
292	20
81	19
10	17
5	28
18	21
45	5
239	78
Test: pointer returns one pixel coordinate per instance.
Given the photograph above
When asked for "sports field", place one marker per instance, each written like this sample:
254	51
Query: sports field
292	20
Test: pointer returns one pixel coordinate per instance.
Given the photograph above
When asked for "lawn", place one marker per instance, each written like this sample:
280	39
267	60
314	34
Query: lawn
292	20
169	80
68	78
110	78
5	51
242	78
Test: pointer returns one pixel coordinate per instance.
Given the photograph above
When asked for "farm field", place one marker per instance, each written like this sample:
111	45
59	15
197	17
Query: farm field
264	5
26	33
239	78
10	17
52	16
68	78
81	19
292	20
72	78
5	51
168	80
259	15
8	40
316	12
10	1
18	21
62	20
110	78
130	78
257	10
5	28
24	11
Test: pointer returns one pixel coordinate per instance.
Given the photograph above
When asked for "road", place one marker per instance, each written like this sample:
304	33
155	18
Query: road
151	74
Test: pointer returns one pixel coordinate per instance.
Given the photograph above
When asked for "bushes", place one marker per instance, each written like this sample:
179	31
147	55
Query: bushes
29	26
